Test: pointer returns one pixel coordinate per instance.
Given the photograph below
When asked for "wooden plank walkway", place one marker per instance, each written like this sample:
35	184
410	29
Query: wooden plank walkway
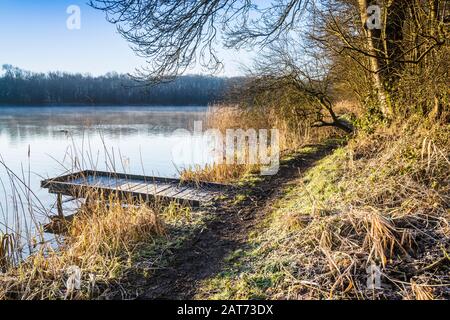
81	184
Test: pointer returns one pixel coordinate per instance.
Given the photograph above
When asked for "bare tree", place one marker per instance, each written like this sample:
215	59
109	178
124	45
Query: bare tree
410	36
173	35
301	73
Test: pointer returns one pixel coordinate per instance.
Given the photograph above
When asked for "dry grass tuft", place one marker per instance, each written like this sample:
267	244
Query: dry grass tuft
223	117
421	292
97	248
7	251
294	133
220	173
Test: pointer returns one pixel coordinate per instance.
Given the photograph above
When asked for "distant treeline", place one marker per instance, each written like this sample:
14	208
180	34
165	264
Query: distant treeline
19	87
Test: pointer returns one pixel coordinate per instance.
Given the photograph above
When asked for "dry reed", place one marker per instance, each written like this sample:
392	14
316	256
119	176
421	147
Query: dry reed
97	248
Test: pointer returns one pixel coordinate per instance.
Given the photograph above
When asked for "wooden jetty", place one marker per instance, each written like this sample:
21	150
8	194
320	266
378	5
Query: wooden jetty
126	186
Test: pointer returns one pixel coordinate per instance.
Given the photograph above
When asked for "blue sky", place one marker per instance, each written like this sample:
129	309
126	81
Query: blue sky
34	36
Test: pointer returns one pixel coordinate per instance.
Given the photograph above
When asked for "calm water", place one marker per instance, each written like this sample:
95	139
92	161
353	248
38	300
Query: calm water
37	143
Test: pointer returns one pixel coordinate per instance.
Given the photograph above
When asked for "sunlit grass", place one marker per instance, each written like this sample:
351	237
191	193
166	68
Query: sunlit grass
99	242
379	200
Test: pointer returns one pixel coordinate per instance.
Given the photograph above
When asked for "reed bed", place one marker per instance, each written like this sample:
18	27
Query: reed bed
221	173
295	132
95	248
228	116
95	251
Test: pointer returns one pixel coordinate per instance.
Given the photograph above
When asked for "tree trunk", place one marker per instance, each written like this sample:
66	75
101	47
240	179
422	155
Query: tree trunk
395	17
438	105
375	59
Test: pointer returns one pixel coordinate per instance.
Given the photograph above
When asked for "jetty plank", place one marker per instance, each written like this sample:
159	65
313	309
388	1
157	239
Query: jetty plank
80	184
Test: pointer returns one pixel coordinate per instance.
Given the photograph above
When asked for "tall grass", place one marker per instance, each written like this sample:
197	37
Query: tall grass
98	245
221	173
21	214
293	135
95	248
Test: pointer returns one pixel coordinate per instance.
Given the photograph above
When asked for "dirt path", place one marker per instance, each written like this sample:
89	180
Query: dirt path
203	256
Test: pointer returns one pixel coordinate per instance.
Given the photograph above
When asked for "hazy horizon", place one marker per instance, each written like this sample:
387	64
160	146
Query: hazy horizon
221	75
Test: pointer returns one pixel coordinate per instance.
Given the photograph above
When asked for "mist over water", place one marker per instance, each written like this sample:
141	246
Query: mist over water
41	142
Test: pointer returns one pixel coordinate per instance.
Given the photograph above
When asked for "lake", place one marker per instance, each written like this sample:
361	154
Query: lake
42	142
